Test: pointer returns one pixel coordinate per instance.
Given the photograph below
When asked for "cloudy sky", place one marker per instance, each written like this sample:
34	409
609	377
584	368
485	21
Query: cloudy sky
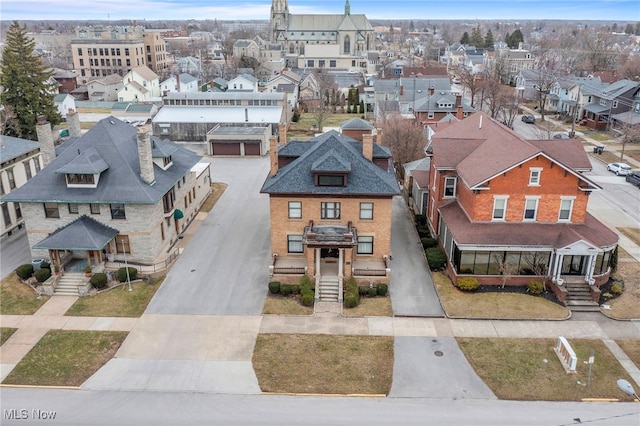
615	10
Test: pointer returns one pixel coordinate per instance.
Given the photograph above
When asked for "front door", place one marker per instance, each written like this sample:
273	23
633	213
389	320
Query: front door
329	253
574	265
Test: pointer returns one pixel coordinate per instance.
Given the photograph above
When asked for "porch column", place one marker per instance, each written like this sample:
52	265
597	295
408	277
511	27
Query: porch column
317	262
340	273
558	266
592	264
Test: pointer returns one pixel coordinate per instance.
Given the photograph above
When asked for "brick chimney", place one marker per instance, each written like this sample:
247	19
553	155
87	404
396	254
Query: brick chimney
273	155
145	157
458	99
459	113
73	122
45	138
282	134
401	89
432	90
367	145
177	82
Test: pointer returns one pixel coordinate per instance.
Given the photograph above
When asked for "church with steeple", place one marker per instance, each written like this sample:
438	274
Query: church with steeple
339	41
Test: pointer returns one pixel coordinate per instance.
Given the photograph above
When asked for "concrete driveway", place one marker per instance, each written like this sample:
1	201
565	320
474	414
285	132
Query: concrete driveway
224	268
411	288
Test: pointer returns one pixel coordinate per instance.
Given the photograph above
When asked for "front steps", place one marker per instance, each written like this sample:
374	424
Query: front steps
579	297
328	289
69	283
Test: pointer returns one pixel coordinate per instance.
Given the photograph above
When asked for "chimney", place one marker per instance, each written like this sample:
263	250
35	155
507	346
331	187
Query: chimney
273	155
178	82
459	113
367	145
73	122
45	138
401	89
432	90
145	157
282	131
458	99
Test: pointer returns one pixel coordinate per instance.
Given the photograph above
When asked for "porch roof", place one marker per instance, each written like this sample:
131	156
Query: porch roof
84	233
330	236
596	108
525	234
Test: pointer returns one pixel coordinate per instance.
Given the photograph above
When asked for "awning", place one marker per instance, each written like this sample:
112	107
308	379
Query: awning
83	233
177	214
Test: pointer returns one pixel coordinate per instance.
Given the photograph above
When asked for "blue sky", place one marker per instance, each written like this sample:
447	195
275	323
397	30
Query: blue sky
615	10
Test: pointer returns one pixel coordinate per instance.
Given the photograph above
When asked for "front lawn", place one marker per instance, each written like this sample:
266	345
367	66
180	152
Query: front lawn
276	304
5	333
17	298
529	370
371	307
66	358
324	364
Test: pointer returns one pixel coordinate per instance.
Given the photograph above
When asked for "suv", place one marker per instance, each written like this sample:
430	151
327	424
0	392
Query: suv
633	178
529	119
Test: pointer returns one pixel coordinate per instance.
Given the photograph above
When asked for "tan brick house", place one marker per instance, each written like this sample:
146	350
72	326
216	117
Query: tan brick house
498	200
330	206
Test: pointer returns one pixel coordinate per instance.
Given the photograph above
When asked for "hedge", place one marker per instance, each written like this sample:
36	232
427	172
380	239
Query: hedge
122	274
307	297
428	242
305	283
436	258
382	289
25	271
42	274
274	287
99	280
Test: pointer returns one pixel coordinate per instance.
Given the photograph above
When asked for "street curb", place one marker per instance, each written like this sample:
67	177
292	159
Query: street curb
347	395
4	385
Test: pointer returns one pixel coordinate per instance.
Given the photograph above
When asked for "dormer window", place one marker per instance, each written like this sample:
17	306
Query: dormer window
80	179
331	180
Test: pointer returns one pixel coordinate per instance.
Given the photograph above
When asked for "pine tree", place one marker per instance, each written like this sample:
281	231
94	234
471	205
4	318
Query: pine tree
476	37
27	91
465	38
488	39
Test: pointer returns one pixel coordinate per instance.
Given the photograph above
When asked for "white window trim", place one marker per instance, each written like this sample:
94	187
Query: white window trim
535	169
535	211
504	210
571	199
444	189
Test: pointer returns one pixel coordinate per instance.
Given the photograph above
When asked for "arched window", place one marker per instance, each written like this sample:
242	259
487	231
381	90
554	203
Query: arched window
302	49
347	45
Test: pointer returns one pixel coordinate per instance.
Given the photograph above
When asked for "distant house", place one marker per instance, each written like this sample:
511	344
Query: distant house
243	83
188	64
416	185
64	102
105	89
139	85
66	80
512	61
356	128
248	48
503	207
180	83
605	100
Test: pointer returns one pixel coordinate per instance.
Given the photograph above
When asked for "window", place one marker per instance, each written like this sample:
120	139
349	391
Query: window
12	179
347	45
332	63
615	104
122	244
81	62
534	176
168	199
330	180
330	210
294	244
430	114
499	208
310	63
5	214
80	179
95	208
126	52
27	169
530	208
18	210
366	211
365	245
449	187
51	210
162	230
566	206
73	208
295	210
321	63
117	211
1	186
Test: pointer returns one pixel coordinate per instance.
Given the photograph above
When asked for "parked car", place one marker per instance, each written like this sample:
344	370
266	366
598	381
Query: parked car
456	80
529	119
561	136
633	178
619	168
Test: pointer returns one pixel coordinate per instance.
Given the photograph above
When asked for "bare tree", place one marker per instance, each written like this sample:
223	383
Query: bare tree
405	138
469	81
506	269
537	265
629	134
510	108
321	108
546	73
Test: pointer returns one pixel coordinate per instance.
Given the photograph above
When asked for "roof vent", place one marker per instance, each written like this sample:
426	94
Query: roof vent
112	122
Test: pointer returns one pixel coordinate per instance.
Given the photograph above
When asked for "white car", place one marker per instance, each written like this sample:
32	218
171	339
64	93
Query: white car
620	169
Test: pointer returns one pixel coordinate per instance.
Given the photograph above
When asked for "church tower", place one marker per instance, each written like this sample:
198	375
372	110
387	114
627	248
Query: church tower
347	8
279	18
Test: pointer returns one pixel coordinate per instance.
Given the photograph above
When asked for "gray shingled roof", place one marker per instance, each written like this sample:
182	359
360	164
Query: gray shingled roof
364	177
84	233
356	123
162	148
15	147
88	162
116	142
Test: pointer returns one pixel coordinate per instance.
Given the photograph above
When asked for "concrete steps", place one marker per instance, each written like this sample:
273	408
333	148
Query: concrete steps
579	298
68	284
328	289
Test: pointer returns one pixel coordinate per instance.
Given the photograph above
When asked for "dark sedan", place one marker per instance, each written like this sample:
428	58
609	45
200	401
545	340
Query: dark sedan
530	119
633	178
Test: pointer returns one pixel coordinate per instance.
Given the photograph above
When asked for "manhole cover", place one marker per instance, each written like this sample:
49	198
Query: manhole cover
438	353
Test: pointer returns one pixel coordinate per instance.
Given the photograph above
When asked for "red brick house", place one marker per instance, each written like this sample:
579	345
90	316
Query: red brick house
502	206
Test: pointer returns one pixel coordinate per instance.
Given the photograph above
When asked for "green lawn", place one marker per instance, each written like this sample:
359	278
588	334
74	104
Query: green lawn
66	358
5	333
117	302
17	298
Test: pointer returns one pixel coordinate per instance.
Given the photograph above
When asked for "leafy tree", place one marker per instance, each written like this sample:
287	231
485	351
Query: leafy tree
27	91
476	37
488	39
465	38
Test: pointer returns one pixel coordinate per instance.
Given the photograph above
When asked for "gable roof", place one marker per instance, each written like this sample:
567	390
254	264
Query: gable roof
356	123
11	147
145	72
337	152
116	143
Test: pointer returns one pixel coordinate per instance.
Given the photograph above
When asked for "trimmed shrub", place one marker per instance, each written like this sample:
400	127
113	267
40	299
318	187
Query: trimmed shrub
428	242
24	271
286	289
363	291
436	258
305	283
616	289
307	298
351	300
421	220
372	292
42	274
468	283
535	287
122	274
382	289
99	280
423	232
45	265
274	287
295	288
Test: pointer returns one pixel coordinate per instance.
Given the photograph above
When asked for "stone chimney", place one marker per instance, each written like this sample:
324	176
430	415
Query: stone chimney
459	113
145	158
367	145
73	122
282	131
273	155
45	138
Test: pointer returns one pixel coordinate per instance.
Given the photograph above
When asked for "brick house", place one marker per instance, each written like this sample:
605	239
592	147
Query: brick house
502	205
330	206
111	193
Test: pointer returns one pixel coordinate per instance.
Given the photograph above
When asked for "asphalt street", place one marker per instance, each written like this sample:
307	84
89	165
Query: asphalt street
14	251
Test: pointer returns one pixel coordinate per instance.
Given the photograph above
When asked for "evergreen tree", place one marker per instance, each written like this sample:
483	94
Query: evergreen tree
628	29
27	91
488	39
361	107
637	31
476	37
411	26
515	39
465	38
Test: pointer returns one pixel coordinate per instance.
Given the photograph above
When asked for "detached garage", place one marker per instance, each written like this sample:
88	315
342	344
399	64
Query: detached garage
238	140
